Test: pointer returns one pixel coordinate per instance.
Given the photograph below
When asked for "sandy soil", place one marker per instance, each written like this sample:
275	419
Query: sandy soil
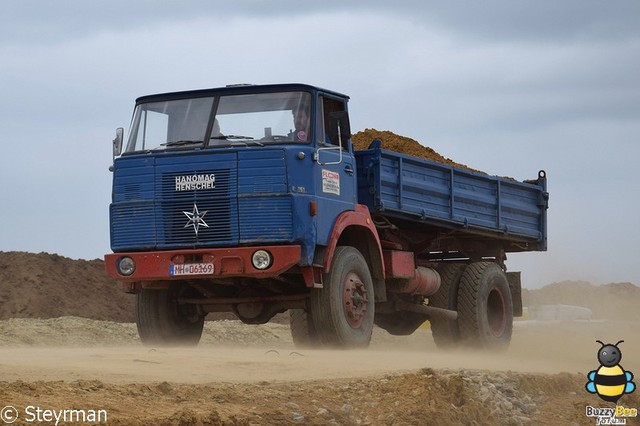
253	375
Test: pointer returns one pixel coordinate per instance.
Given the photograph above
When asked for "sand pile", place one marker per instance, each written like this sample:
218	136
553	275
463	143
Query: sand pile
47	285
401	144
614	301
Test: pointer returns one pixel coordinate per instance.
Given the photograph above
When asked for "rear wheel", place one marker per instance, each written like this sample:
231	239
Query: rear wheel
161	320
343	310
485	308
445	332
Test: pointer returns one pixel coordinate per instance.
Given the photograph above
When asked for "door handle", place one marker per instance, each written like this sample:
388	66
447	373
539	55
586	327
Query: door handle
348	169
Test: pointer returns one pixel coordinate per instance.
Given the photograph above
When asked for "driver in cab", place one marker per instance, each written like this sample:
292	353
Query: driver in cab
301	123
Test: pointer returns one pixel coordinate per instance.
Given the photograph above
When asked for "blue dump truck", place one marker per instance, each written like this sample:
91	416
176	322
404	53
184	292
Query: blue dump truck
251	199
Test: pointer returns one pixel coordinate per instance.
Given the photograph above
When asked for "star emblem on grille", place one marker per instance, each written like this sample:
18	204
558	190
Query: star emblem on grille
196	219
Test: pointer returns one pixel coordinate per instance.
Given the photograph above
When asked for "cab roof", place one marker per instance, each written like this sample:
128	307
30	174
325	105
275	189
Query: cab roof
236	89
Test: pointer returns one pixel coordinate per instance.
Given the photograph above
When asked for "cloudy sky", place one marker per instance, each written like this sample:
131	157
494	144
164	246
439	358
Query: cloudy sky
509	87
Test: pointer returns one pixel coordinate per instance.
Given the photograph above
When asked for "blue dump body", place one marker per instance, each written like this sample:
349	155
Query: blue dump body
254	200
434	194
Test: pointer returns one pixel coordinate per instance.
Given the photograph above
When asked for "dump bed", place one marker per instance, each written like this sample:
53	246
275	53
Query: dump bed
427	193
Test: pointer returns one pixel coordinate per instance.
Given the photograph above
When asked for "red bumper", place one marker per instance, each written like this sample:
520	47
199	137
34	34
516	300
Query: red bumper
202	263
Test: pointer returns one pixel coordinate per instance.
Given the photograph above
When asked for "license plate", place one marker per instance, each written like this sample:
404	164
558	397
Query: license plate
191	269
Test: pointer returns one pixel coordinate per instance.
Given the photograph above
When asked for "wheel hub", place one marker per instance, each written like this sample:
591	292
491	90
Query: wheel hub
354	297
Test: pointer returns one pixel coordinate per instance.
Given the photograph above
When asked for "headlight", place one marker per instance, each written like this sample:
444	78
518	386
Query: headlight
126	266
261	259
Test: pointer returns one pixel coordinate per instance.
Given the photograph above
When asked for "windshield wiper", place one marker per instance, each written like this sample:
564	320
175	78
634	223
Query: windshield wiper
247	139
224	137
180	143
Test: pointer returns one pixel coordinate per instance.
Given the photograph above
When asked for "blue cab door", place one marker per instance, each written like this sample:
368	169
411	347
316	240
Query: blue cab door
334	165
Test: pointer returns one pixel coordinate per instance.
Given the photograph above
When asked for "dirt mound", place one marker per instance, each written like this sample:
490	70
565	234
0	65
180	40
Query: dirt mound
424	397
615	301
402	145
46	285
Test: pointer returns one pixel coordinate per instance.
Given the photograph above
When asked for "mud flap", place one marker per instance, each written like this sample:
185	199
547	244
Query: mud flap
515	287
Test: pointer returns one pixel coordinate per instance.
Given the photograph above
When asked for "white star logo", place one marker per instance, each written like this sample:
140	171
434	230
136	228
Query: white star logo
196	219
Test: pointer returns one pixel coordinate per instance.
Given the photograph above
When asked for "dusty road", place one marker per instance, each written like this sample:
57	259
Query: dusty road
254	375
242	375
276	359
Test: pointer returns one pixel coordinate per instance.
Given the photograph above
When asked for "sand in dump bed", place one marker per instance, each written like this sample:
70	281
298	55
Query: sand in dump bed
401	144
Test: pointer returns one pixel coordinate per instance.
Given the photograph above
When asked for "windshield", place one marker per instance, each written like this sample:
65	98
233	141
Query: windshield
240	120
158	125
264	117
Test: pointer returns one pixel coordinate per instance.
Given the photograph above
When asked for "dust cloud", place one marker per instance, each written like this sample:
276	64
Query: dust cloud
238	353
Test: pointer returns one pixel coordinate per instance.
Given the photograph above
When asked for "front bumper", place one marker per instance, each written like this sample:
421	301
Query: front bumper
220	263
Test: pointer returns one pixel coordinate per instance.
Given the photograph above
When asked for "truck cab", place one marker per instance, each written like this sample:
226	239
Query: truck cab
230	195
240	165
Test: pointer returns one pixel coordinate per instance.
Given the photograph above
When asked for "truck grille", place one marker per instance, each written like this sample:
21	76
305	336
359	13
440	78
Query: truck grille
250	188
218	205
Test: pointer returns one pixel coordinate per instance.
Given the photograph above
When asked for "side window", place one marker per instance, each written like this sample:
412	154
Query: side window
326	107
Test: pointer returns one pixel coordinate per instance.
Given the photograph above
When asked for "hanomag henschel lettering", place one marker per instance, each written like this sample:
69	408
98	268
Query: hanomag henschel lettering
195	182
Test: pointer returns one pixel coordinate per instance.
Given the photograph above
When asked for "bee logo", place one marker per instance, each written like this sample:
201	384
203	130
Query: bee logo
610	381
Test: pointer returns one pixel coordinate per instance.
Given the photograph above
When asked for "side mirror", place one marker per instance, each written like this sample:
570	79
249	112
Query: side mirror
117	142
339	128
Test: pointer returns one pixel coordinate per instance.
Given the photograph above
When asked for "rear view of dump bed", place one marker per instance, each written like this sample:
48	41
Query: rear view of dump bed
407	188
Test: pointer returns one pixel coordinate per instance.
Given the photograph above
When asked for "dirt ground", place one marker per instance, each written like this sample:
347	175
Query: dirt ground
253	375
244	375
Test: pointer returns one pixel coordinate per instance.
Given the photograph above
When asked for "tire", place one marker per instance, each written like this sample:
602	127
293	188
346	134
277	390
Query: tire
485	308
445	332
303	332
343	310
162	321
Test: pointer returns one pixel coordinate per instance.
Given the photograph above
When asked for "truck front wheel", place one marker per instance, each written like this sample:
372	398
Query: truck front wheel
343	310
485	308
303	332
161	320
